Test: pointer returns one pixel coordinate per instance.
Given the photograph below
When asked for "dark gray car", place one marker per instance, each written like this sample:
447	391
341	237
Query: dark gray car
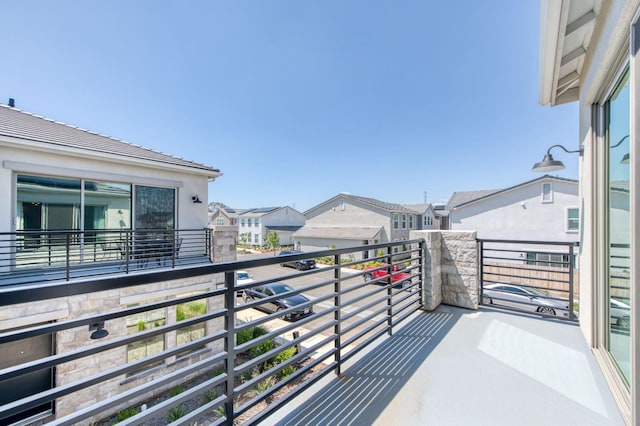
298	264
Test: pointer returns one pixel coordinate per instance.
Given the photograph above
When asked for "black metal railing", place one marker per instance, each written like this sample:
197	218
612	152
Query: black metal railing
36	256
529	276
196	352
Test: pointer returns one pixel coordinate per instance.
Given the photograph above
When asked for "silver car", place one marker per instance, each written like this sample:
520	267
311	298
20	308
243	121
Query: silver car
525	298
620	313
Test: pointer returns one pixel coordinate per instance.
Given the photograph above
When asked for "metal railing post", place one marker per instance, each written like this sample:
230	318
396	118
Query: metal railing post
229	343
389	290
337	315
481	271
68	271
571	313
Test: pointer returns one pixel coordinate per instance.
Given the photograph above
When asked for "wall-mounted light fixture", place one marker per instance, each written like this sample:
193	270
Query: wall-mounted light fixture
98	330
196	199
548	164
625	158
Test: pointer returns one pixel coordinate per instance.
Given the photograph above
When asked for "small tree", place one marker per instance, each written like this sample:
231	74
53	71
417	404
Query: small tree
244	238
273	240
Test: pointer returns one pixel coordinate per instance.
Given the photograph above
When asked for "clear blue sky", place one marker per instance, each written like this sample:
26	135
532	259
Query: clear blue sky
297	101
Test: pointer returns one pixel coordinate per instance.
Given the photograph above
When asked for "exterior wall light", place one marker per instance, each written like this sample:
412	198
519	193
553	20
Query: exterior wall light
196	199
98	330
548	164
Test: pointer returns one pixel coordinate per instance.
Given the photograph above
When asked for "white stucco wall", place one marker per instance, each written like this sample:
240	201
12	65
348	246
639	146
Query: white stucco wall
520	214
27	159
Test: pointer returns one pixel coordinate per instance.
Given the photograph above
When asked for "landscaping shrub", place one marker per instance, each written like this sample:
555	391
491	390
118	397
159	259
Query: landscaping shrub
176	412
126	413
176	391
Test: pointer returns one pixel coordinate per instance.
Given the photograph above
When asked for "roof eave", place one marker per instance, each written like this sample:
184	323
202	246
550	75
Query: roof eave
551	28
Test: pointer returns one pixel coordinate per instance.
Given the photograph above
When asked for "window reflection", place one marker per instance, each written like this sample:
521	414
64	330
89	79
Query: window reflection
619	226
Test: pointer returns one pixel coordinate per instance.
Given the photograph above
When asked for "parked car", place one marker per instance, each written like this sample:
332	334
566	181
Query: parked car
242	277
620	313
526	298
380	273
281	303
298	264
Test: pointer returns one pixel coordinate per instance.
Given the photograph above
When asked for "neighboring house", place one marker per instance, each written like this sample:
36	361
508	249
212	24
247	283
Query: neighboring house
348	220
83	185
426	218
589	56
543	209
256	224
224	216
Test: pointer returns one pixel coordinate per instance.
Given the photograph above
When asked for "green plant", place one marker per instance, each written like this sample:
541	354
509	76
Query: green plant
287	371
126	413
251	333
218	372
210	395
176	412
141	325
264	385
247	375
176	391
285	355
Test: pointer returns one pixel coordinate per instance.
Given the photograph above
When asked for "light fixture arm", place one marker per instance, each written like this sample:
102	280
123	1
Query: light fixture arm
619	142
565	149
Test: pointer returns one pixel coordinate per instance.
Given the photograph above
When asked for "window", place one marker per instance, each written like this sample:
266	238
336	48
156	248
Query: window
185	311
249	222
573	219
429	221
395	220
155	207
220	221
256	222
547	193
410	221
152	345
256	238
549	260
242	222
404	221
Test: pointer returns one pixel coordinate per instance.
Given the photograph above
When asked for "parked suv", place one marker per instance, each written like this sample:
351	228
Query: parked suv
298	264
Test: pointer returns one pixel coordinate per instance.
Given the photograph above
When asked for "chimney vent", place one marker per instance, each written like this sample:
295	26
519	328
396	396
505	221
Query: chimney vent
12	102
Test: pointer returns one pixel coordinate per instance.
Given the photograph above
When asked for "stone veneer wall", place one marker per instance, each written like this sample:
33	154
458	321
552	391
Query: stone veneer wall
450	268
224	249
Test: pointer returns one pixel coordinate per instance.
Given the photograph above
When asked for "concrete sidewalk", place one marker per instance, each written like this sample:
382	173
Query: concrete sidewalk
460	367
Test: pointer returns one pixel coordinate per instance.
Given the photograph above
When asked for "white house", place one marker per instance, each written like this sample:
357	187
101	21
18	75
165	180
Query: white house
590	55
543	209
349	220
256	224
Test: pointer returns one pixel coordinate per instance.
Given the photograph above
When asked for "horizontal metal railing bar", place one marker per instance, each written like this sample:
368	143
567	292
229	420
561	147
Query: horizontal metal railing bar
115	400
371	293
553	280
364	320
530	242
53	360
364	308
365	331
247	405
526	262
544	289
528	269
62	390
275	334
363	345
501	299
276	404
65	325
200	411
398	319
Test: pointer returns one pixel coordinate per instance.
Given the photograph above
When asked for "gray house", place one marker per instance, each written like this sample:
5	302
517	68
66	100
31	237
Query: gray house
348	220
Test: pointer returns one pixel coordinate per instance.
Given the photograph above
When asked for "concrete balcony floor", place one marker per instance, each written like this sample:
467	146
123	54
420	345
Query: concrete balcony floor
459	367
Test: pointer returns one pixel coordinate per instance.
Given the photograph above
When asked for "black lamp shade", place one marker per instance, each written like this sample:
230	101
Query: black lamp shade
548	164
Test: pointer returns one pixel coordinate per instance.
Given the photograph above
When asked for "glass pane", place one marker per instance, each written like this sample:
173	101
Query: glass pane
619	226
107	205
155	207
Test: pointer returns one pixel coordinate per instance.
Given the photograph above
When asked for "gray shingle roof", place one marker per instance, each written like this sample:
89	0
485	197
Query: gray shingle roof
392	207
339	232
19	124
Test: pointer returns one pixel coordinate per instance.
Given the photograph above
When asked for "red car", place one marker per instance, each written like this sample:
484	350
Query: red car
380	273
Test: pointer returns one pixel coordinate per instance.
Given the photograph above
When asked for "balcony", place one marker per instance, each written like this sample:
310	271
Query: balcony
37	256
187	345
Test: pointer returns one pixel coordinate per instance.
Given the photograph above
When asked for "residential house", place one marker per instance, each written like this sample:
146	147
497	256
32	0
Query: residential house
542	209
66	189
256	224
589	55
348	220
224	216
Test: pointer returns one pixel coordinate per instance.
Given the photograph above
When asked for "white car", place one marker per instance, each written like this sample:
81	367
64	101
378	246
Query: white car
620	313
525	298
242	277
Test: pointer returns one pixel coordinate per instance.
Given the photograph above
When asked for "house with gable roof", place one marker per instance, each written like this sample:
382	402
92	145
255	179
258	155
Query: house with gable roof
254	225
542	209
349	220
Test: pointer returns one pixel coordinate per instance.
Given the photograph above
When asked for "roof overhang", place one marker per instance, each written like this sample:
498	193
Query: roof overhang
566	28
